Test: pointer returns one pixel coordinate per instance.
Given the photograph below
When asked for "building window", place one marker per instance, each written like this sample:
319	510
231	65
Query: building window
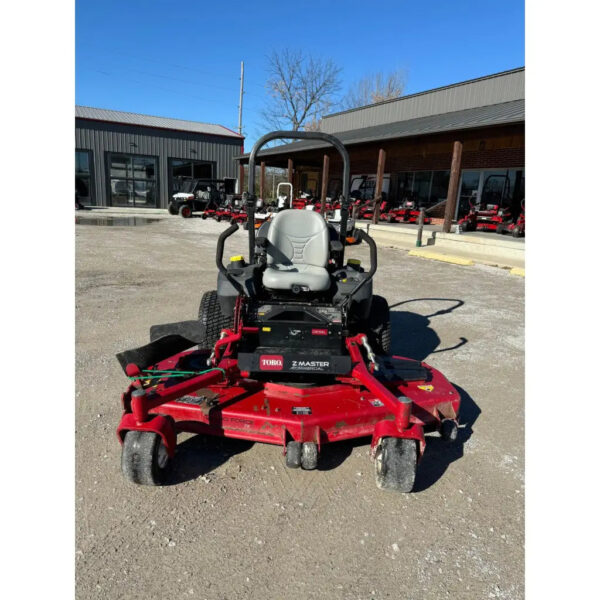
133	180
183	170
425	187
83	177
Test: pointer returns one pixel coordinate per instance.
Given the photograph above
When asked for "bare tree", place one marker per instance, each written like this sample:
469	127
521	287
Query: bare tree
375	88
301	89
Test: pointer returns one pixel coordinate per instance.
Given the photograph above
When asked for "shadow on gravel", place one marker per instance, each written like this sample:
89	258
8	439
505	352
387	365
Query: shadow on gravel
199	455
438	453
412	336
333	455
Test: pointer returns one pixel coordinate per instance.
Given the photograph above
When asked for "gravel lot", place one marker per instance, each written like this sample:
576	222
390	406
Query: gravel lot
234	522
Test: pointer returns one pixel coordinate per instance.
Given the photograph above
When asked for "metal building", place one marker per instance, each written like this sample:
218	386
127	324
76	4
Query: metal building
416	135
131	160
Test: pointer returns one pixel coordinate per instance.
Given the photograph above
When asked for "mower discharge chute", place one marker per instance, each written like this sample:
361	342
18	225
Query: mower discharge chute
294	351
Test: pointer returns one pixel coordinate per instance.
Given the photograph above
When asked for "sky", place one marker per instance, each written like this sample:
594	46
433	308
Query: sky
181	59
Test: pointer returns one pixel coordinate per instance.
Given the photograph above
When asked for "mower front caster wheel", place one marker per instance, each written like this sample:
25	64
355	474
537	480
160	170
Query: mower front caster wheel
293	455
144	458
396	464
310	456
449	430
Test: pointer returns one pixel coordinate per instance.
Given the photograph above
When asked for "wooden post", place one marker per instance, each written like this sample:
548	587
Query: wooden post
379	184
290	171
241	178
324	182
452	186
262	180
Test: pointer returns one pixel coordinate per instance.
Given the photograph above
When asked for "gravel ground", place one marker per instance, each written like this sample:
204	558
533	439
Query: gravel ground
233	521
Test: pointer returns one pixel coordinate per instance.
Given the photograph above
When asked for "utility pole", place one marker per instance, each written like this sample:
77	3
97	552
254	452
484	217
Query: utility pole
241	100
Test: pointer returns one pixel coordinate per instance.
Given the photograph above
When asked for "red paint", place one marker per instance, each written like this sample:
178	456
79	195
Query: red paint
319	332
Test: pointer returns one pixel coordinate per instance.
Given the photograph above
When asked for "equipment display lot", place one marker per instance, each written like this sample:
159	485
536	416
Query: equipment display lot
235	522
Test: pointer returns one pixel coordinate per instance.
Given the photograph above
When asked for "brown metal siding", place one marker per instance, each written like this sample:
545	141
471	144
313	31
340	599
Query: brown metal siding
101	137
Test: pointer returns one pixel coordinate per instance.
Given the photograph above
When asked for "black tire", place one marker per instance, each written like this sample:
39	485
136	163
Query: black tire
204	216
185	211
219	218
173	209
144	458
396	464
310	456
449	430
293	455
212	318
500	228
516	232
379	331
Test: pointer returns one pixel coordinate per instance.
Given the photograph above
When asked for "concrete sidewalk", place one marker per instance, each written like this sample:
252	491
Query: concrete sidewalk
490	249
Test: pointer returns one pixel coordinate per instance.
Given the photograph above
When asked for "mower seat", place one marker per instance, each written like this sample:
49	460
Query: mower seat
297	252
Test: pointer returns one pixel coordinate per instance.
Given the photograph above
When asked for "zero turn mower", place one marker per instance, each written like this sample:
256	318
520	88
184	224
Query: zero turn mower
294	351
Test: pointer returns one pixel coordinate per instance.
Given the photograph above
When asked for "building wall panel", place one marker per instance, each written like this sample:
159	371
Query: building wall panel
102	137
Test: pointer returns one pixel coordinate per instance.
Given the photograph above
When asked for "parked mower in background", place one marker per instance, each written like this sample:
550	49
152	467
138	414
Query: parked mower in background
493	210
407	212
294	351
516	229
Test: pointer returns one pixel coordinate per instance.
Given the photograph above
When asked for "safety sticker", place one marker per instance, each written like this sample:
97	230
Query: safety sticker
301	410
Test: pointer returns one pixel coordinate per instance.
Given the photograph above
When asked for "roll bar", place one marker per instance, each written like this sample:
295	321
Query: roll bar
297	135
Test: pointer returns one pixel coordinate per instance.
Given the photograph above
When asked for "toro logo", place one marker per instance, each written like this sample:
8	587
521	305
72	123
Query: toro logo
271	362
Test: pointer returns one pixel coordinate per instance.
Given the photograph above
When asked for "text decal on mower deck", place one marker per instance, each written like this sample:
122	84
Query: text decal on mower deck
319	332
310	365
271	362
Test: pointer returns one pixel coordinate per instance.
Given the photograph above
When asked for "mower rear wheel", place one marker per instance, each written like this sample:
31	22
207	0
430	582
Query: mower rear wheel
210	315
396	464
379	331
293	455
204	216
185	211
144	458
172	209
310	456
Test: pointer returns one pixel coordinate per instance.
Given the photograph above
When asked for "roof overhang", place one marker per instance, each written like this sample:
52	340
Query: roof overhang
492	115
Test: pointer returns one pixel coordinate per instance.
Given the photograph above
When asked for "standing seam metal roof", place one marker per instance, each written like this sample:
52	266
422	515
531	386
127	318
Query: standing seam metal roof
483	116
117	116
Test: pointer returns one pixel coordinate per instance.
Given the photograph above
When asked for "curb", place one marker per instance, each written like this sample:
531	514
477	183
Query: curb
456	260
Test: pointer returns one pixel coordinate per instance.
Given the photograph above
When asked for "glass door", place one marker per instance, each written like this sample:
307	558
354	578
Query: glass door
133	180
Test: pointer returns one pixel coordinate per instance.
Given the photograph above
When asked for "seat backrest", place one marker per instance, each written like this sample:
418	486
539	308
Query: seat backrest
298	237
